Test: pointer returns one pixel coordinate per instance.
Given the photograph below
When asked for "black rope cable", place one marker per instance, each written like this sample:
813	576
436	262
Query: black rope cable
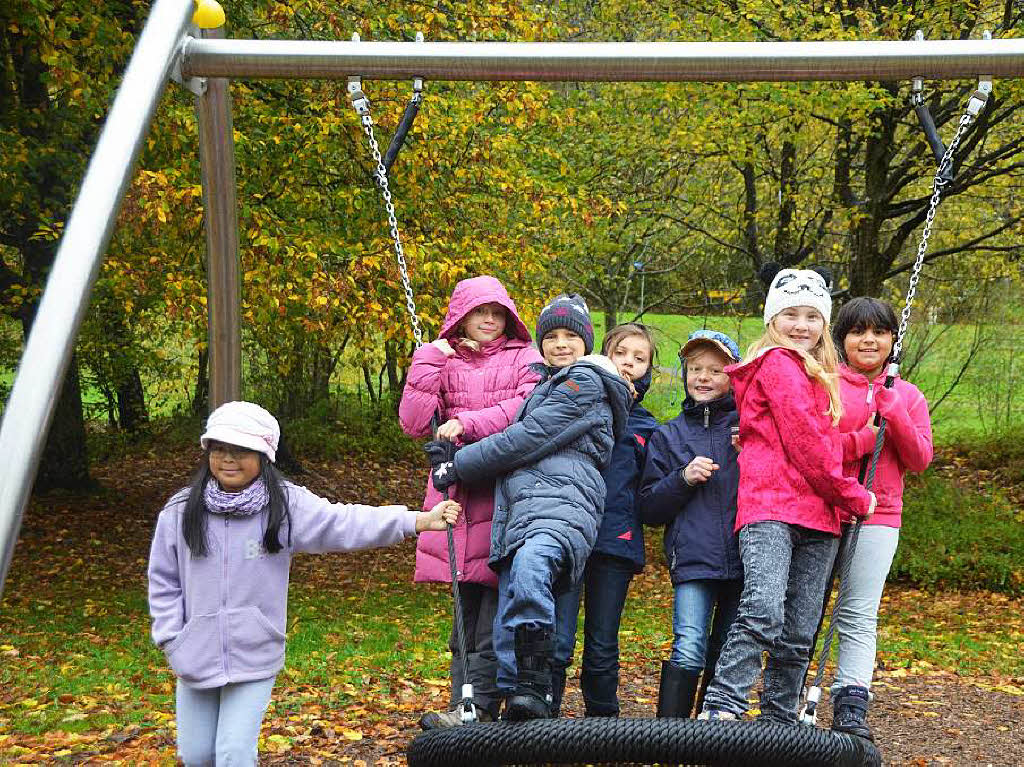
467	711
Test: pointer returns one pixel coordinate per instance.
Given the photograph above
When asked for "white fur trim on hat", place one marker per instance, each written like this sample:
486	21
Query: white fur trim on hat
797	287
245	424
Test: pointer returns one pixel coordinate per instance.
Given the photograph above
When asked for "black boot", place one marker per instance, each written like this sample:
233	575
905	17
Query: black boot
532	698
851	712
676	691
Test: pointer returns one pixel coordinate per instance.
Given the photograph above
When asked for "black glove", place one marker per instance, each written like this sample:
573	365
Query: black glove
440	451
444	476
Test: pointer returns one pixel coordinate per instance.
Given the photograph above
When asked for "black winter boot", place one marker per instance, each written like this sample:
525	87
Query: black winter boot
532	698
851	712
676	691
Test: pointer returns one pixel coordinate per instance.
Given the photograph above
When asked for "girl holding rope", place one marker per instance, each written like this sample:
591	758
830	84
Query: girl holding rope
792	490
864	333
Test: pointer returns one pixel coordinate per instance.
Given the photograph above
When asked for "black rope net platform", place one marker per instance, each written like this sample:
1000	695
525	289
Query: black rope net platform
640	741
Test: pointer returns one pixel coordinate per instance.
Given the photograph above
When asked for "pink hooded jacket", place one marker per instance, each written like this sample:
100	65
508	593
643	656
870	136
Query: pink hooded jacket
790	462
908	437
484	391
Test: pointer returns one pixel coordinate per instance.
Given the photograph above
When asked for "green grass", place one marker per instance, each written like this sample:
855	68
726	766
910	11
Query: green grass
988	397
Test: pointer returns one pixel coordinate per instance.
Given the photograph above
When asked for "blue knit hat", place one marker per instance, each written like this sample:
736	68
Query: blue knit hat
569	312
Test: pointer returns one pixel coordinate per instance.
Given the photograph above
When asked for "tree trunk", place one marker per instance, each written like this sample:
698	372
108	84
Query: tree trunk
611	319
785	253
868	266
201	392
64	462
131	403
368	380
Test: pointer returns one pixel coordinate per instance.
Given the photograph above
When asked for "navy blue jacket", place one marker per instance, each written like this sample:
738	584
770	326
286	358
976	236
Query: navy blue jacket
621	533
700	542
551	461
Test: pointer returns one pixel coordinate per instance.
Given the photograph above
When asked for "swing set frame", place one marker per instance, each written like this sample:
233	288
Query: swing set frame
203	61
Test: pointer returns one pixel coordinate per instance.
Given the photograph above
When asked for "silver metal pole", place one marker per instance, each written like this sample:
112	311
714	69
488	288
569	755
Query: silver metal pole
48	349
848	60
224	283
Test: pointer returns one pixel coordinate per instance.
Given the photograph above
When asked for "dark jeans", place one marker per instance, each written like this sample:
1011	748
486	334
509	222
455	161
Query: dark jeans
479	606
605	583
785	571
525	598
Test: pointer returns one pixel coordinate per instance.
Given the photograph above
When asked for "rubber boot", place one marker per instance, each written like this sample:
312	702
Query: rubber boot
532	697
676	691
851	712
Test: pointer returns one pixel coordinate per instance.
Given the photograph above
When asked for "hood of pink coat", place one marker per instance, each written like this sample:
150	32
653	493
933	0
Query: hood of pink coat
477	291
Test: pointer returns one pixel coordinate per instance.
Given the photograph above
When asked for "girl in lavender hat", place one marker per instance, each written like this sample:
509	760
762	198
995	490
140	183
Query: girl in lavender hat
218	577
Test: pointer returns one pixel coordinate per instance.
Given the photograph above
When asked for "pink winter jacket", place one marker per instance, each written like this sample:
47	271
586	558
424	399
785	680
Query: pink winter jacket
908	437
484	391
790	462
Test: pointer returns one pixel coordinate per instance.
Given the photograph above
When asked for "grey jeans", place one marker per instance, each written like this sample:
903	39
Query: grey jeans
859	597
785	571
221	725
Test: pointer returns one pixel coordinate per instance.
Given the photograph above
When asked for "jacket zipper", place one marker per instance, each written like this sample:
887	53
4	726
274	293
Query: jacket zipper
707	416
871	390
224	600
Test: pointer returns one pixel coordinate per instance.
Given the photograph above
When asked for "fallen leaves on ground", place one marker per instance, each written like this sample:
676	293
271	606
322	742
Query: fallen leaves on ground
80	550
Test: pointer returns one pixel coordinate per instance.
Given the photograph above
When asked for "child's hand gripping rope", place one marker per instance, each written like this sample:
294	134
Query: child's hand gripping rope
438	518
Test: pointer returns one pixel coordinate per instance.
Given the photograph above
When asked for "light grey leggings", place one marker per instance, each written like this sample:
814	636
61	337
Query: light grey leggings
859	597
221	725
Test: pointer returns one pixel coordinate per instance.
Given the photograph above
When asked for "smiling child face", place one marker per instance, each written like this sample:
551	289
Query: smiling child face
562	347
233	467
706	379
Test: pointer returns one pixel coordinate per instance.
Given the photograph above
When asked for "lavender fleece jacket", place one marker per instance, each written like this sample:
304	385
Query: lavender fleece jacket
222	618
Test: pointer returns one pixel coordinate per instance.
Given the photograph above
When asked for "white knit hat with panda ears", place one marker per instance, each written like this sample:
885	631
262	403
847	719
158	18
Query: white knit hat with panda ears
244	424
798	287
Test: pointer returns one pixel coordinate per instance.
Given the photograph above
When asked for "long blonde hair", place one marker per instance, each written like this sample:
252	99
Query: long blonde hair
821	363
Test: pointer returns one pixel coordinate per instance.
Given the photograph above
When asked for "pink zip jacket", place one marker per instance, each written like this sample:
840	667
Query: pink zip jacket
222	618
484	390
908	437
791	461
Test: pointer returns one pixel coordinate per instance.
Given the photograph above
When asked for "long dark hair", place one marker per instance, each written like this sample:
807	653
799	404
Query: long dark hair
860	314
194	522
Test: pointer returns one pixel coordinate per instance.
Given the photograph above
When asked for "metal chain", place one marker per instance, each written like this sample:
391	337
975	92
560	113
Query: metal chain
938	186
381	177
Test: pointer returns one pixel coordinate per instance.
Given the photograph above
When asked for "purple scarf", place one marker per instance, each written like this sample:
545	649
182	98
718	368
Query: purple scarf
249	500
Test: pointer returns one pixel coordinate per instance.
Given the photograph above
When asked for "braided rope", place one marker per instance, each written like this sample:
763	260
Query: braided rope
602	740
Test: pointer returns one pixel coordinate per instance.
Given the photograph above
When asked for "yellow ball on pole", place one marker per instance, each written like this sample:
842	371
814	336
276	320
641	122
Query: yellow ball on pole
208	14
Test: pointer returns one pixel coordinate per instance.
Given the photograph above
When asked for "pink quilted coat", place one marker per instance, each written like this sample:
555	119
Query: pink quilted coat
908	437
484	391
791	466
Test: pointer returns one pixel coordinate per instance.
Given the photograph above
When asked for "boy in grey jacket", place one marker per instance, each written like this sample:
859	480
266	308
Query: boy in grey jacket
550	498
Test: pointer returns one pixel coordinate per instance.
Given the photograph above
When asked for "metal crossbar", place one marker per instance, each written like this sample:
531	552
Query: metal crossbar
616	62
